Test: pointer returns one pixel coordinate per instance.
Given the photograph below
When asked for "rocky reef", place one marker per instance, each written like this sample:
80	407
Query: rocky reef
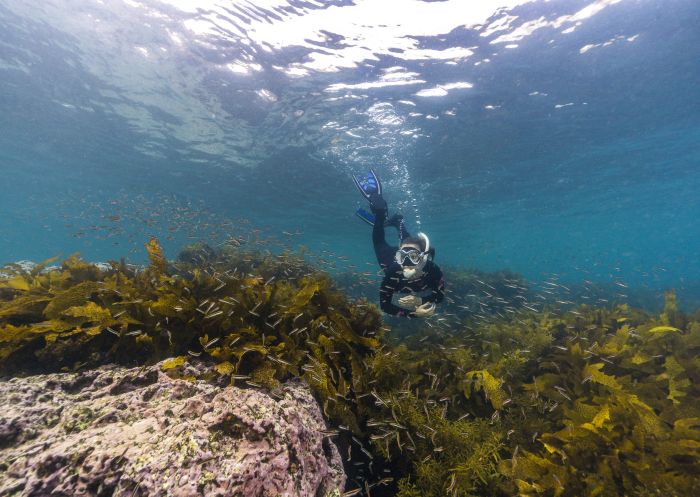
138	432
495	398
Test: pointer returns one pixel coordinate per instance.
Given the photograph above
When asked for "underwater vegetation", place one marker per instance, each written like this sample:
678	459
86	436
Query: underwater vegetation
601	402
592	401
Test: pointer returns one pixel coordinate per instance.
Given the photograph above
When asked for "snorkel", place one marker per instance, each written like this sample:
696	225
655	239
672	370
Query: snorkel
416	271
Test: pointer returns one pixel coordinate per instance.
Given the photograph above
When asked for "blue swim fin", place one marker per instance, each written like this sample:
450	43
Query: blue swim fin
396	220
367	217
368	183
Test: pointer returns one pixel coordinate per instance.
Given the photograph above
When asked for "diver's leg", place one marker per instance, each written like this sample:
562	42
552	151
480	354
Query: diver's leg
397	222
403	232
383	251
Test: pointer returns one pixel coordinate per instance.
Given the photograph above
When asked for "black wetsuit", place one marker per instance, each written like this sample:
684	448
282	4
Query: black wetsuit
430	286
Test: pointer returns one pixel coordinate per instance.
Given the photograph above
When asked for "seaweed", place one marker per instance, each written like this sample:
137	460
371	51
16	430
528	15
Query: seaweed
624	389
583	401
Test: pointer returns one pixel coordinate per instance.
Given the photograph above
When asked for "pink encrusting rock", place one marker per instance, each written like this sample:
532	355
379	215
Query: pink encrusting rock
137	432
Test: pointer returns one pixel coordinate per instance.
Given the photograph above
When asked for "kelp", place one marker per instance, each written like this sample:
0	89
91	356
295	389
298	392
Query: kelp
616	393
448	457
262	318
596	401
583	401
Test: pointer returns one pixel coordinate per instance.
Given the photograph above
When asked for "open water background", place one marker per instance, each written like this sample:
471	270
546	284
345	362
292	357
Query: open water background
552	138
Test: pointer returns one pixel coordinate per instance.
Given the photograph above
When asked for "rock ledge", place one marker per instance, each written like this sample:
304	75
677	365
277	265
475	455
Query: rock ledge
137	432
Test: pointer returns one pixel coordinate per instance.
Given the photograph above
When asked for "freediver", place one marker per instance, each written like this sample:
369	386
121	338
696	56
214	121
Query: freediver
409	270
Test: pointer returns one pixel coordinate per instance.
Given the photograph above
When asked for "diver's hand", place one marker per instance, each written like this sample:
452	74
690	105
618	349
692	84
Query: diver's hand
410	301
425	310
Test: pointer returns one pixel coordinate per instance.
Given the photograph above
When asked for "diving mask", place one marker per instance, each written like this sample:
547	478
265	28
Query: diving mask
412	260
409	256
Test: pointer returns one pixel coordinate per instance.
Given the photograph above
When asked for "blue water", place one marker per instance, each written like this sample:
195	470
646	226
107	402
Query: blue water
555	139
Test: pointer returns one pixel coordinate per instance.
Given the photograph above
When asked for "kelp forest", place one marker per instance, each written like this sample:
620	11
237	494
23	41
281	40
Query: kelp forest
505	399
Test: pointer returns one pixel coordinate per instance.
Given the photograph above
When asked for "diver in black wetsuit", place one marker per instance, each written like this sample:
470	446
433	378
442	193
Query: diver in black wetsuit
409	270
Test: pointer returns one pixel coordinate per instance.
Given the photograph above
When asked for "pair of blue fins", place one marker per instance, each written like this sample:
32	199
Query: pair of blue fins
369	185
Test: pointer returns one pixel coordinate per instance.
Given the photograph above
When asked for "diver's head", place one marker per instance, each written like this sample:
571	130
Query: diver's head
413	255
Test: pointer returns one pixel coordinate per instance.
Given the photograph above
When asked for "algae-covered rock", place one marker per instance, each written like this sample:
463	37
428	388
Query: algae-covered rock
138	432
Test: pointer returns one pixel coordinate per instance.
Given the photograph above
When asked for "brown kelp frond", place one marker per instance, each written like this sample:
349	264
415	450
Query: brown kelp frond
446	456
624	387
157	262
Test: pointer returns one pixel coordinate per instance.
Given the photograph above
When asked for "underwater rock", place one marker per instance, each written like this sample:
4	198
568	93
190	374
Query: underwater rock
25	266
29	266
138	432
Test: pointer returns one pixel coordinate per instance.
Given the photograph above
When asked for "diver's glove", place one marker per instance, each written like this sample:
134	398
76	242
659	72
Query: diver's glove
426	310
377	202
410	301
